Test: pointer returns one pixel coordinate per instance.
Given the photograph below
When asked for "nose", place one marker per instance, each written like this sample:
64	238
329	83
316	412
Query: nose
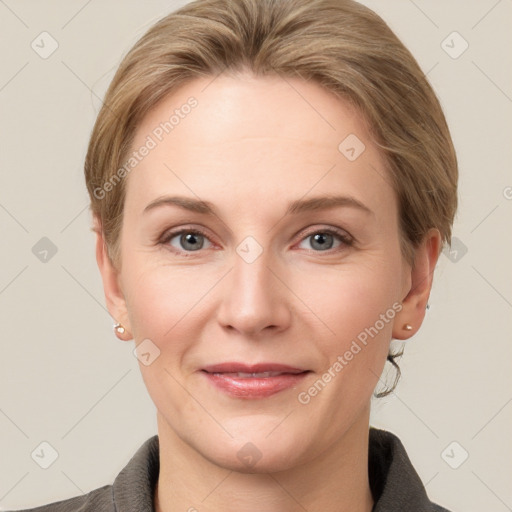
255	299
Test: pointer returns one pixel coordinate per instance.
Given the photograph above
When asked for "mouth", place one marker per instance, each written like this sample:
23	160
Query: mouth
262	380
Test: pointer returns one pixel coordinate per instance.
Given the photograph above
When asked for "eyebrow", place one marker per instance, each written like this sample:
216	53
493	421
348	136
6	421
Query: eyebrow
295	207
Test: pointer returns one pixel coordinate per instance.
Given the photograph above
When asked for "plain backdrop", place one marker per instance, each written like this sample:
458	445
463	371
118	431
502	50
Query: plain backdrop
67	381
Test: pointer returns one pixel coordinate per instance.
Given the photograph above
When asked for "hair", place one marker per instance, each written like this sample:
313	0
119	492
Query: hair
340	44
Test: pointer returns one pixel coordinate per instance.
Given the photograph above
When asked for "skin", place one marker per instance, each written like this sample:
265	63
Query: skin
251	146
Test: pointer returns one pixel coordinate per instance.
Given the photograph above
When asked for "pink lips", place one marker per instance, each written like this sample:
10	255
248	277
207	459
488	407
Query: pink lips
253	381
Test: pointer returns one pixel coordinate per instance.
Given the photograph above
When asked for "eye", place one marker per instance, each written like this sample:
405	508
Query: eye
186	240
327	239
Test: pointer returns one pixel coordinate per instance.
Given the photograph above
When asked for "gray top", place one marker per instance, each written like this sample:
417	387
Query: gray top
395	485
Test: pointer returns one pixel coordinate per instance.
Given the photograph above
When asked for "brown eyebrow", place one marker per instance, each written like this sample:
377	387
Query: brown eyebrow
295	207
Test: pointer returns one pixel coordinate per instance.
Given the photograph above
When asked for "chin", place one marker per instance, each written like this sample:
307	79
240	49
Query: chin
251	460
260	447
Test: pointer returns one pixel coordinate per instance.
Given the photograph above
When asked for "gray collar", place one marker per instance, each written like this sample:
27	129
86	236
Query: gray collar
394	483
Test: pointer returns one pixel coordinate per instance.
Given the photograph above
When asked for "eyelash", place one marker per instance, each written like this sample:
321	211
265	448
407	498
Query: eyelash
345	239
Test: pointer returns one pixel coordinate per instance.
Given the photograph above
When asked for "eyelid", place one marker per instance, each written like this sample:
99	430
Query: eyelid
344	236
346	239
171	233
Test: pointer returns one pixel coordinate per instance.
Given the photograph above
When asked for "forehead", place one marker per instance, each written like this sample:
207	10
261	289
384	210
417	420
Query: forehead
250	134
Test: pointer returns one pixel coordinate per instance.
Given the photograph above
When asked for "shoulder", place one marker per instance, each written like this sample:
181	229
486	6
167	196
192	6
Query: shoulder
132	490
98	499
394	482
438	508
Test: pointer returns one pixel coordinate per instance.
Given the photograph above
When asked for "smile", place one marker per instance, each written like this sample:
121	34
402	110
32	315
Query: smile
252	382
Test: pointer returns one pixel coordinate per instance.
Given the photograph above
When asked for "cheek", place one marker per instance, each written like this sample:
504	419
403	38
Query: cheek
168	303
344	302
166	306
165	302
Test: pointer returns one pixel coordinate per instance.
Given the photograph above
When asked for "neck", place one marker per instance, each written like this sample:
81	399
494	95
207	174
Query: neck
336	480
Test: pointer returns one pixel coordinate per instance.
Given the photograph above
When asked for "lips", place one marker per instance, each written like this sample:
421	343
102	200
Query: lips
254	368
245	375
261	380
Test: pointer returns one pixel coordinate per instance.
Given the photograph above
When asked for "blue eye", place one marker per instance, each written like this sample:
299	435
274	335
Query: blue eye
186	240
325	240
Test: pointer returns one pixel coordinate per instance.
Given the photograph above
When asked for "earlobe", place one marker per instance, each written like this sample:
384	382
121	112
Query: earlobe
414	305
114	297
121	332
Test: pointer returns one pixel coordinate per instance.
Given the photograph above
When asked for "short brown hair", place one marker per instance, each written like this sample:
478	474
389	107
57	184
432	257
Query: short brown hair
340	44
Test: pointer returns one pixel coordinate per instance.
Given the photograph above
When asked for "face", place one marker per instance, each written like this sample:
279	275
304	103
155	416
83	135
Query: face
252	242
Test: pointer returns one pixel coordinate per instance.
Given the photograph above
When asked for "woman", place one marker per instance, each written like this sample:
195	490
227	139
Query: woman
271	185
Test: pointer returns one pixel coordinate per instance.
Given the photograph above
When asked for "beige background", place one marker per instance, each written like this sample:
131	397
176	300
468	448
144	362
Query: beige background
64	377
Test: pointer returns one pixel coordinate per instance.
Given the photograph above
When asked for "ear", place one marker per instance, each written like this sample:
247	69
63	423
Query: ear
116	303
421	277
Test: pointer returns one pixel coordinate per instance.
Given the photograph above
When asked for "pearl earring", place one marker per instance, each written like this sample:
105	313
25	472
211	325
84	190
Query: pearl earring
119	328
408	327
